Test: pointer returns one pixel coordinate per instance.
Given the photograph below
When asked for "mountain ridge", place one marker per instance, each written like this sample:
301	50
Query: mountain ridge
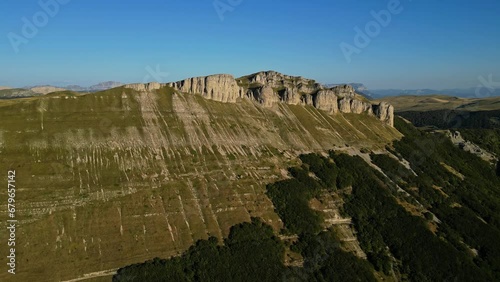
270	87
77	88
106	172
358	87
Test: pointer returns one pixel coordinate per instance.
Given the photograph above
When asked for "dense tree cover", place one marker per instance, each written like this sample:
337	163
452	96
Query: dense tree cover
488	139
469	208
391	167
370	238
291	200
461	192
325	169
408	180
389	234
479	190
481	127
253	253
324	260
385	228
250	253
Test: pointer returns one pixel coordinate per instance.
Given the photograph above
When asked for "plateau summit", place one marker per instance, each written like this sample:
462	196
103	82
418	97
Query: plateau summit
270	87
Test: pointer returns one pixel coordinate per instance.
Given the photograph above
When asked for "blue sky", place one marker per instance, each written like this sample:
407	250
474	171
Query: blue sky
426	43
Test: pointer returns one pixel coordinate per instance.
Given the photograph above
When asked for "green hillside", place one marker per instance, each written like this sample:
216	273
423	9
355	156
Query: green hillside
120	177
422	211
442	102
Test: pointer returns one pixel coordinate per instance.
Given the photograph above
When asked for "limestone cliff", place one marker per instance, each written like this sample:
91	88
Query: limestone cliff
220	87
270	87
145	86
385	112
265	95
326	100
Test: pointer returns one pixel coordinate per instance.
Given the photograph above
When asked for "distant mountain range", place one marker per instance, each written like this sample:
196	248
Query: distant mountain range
360	88
456	92
77	88
98	87
32	91
9	93
462	93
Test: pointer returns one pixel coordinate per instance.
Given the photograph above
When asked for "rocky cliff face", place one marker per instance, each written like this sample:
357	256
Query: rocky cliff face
457	139
141	87
265	95
385	112
269	88
220	87
325	100
105	85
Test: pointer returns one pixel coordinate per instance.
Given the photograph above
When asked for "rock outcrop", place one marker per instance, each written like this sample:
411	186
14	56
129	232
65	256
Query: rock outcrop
265	95
344	91
385	112
276	79
290	96
219	87
145	86
457	139
349	105
326	100
105	86
296	90
270	87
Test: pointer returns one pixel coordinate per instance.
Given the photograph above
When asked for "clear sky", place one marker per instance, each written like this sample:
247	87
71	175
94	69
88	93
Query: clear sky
426	43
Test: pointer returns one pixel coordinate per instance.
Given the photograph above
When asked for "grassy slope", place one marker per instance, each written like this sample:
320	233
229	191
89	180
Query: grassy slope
439	102
119	177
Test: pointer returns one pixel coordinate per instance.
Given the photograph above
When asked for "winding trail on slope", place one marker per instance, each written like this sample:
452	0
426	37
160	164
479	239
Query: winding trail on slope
91	275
